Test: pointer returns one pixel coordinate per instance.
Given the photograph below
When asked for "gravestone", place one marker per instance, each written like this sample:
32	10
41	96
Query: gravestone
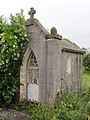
50	64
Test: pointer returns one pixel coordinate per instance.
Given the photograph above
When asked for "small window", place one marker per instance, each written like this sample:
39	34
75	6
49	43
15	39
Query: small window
33	61
33	69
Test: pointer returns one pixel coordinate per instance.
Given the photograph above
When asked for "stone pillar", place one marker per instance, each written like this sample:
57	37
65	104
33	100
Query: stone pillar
23	81
53	82
23	75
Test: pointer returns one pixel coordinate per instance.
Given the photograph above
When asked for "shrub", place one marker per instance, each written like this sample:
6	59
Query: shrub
86	62
13	37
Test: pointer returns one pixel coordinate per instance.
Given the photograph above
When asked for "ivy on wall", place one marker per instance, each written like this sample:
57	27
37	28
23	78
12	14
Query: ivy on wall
13	38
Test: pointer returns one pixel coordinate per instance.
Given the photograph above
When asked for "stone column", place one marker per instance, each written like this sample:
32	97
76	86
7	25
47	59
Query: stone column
53	82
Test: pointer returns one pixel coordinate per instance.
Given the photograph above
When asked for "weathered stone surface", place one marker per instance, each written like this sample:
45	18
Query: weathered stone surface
53	31
59	63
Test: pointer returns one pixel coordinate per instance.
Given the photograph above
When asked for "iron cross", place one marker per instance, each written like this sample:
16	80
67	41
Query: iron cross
32	12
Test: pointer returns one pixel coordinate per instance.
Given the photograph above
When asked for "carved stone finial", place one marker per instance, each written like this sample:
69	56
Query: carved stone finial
54	34
53	31
32	12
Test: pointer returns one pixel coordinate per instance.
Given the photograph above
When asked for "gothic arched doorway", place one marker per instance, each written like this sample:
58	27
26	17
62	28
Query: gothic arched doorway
33	77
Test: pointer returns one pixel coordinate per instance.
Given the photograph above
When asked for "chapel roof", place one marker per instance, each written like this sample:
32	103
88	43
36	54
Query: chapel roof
66	44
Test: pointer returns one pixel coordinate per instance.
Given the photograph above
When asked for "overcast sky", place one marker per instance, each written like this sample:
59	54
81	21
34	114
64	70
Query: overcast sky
70	17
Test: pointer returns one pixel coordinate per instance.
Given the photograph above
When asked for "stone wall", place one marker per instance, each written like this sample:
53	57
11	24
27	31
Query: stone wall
38	45
71	71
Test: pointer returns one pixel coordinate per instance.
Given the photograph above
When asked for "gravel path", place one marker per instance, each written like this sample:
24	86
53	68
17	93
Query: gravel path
10	114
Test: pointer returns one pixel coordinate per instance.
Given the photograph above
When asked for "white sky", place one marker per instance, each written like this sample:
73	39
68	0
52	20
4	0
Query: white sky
70	17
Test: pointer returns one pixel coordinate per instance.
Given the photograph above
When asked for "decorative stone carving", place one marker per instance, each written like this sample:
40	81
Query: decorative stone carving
31	19
32	12
54	34
53	31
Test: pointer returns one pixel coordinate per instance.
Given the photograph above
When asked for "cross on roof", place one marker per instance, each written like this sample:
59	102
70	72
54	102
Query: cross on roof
32	12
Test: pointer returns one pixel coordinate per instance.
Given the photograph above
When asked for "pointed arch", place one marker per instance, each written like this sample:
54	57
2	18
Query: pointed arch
33	70
29	75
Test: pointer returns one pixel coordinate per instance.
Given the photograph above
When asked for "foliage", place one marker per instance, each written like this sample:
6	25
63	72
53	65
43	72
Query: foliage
86	62
72	106
13	36
36	111
68	106
1	118
85	80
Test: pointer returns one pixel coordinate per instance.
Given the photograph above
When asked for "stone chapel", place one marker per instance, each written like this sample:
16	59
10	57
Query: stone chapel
50	64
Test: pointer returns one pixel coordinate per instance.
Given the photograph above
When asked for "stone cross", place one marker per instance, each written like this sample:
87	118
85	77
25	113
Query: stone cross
32	12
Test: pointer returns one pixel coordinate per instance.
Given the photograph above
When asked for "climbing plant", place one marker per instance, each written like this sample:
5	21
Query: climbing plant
13	38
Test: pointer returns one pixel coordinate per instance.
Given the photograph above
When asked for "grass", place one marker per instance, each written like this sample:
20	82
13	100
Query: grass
68	106
85	80
71	106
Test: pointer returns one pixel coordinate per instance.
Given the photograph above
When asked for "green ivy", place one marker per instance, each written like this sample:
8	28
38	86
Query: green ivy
13	38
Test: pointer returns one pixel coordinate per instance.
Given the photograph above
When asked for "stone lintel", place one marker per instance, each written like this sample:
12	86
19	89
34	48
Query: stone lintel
73	50
50	36
31	19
